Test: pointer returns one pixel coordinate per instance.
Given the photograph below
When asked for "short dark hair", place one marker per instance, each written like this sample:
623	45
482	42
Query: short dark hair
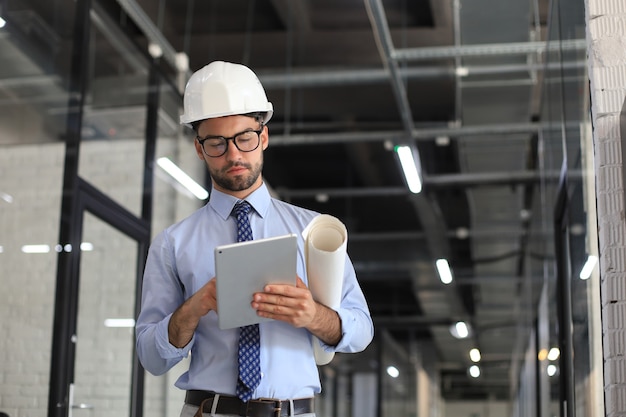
259	116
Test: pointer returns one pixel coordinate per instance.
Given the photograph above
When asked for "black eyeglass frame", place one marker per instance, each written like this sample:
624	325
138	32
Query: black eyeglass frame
233	138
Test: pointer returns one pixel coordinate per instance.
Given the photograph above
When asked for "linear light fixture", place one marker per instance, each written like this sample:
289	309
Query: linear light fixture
36	248
551	370
585	273
410	168
474	355
554	354
393	372
460	330
119	323
2	23
184	179
443	268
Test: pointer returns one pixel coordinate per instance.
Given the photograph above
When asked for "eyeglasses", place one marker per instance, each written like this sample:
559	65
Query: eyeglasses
216	146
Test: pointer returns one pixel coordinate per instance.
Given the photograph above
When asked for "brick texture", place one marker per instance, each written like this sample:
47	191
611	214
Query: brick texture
606	34
103	366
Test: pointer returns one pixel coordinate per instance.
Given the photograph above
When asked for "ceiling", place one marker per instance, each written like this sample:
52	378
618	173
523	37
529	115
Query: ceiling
349	80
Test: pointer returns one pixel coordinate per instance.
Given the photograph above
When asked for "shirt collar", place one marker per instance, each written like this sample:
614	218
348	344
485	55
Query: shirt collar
223	203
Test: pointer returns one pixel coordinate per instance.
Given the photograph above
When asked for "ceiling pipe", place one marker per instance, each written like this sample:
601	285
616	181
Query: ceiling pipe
505	129
500	232
495	49
153	33
382	36
444	180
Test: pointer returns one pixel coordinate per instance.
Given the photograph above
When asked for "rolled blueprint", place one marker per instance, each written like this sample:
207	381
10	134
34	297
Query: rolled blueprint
325	244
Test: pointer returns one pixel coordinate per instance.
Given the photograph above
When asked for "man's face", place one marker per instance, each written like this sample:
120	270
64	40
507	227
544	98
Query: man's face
237	173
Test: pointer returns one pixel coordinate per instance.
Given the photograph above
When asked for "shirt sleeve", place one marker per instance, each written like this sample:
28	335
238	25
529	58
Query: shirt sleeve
162	293
357	328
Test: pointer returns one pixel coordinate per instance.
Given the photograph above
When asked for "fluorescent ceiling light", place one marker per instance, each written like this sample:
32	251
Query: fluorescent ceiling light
554	354
409	167
460	330
474	371
184	179
2	22
392	371
86	246
462	71
551	370
36	248
585	273
443	268
119	323
474	355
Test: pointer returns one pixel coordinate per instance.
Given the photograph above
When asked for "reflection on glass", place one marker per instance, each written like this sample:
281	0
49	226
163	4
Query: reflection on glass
106	300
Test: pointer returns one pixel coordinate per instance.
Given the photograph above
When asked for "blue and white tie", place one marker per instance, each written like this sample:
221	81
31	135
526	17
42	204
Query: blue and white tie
249	337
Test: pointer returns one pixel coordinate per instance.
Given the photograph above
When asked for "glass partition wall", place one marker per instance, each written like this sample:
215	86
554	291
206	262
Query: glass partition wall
571	381
84	113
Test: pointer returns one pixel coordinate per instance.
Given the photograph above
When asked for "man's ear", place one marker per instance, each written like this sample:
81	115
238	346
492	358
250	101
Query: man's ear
199	151
265	141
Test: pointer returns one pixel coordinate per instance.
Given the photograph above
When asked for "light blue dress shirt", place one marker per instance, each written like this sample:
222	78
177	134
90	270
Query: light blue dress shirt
180	262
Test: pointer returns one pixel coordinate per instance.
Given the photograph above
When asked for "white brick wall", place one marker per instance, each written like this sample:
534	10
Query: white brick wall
606	35
33	176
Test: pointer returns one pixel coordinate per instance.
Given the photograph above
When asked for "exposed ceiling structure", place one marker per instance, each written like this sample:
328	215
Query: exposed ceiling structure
350	79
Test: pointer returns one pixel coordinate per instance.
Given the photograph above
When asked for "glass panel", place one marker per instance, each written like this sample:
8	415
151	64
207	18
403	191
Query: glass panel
170	204
398	379
35	51
112	149
104	339
30	201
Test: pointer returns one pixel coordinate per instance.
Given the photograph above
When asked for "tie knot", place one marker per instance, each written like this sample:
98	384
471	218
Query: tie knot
242	208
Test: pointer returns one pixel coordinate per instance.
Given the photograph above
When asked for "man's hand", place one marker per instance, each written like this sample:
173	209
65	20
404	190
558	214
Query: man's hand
296	306
186	318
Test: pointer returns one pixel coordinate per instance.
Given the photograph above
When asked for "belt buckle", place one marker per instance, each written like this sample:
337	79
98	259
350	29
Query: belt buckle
275	402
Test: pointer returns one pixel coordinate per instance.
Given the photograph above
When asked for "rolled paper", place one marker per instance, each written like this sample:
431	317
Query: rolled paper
325	240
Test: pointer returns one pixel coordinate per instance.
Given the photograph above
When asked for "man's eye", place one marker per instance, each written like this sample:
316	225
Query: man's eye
215	143
246	136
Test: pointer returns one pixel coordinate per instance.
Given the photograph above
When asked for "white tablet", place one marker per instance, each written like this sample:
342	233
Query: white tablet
243	268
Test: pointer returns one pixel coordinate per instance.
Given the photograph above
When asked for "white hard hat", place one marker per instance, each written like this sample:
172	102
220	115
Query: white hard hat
223	89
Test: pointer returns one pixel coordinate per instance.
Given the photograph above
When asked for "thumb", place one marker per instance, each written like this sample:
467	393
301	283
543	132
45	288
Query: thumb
300	283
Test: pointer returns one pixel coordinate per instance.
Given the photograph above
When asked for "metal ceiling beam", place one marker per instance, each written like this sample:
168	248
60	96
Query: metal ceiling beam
461	132
332	77
509	48
120	42
405	322
382	36
154	35
444	180
495	232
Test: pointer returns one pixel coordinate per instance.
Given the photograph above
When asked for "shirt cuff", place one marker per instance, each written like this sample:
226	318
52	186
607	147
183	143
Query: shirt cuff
347	325
164	347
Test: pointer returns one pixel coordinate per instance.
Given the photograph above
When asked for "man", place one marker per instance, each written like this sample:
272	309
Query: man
228	109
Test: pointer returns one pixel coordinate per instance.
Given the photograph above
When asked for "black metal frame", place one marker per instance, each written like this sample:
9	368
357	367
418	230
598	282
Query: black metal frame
564	302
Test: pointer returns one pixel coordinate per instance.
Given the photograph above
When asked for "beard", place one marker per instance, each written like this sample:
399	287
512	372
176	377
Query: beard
239	182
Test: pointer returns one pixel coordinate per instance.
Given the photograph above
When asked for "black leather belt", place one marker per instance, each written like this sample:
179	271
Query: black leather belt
264	407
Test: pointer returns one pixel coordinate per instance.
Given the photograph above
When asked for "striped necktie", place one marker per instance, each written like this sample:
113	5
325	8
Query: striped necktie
249	336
